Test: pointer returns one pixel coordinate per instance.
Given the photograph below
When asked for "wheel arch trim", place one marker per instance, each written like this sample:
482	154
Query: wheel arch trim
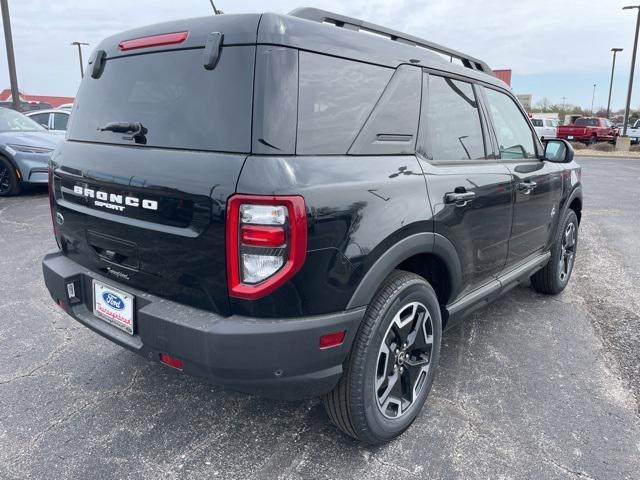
419	243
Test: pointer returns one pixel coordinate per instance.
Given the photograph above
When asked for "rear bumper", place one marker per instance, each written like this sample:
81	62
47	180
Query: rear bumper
275	358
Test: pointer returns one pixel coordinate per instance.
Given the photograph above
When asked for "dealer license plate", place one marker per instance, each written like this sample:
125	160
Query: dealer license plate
113	306
569	137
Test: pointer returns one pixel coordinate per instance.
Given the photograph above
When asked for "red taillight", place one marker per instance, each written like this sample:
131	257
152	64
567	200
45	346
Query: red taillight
266	242
331	340
171	361
153	41
262	236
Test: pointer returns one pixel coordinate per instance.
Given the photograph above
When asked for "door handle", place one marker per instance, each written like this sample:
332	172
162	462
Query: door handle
526	187
459	198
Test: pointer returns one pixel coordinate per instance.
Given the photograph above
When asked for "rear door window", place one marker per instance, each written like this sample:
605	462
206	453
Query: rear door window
512	130
335	98
179	102
60	121
453	121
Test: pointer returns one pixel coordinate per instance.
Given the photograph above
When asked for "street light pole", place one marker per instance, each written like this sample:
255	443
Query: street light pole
593	96
613	68
633	67
11	61
79	45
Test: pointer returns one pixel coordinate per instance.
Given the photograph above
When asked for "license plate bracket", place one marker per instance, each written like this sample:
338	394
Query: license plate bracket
114	306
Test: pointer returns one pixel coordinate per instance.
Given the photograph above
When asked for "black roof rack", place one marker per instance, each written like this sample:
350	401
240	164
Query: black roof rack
350	23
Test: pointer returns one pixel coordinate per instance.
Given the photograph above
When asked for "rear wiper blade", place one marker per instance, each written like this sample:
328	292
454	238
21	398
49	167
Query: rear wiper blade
123	127
136	129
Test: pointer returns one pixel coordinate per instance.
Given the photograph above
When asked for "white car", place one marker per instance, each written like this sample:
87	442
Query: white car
545	127
54	120
633	132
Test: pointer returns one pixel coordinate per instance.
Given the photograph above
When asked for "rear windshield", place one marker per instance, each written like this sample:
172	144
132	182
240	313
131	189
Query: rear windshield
536	122
589	122
179	102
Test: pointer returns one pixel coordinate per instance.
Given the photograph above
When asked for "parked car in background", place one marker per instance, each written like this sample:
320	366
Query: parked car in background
545	127
25	148
26	106
67	106
55	120
589	130
633	132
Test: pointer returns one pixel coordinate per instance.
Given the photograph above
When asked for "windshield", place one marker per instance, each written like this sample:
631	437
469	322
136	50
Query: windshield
536	122
12	121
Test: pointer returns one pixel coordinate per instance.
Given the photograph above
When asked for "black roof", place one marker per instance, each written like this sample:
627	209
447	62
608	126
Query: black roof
319	31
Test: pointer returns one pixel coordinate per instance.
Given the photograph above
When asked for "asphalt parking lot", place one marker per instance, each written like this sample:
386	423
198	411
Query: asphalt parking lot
530	387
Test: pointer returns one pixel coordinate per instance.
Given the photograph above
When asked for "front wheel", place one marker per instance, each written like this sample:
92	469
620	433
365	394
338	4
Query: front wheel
392	363
553	278
9	184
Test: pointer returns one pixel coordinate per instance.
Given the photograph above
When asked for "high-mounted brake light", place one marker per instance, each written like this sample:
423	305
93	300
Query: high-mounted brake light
153	41
266	242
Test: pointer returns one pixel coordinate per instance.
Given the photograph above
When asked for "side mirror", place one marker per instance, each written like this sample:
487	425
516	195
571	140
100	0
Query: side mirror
558	150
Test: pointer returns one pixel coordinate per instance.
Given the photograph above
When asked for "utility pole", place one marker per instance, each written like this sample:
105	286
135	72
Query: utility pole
564	103
633	67
613	68
593	96
11	61
215	10
79	45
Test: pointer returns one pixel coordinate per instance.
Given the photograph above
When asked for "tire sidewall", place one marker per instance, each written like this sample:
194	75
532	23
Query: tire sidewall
380	426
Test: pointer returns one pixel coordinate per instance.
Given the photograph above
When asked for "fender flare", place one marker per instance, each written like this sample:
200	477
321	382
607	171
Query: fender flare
425	242
575	193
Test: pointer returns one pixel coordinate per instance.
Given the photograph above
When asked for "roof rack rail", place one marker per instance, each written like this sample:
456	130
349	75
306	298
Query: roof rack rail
350	23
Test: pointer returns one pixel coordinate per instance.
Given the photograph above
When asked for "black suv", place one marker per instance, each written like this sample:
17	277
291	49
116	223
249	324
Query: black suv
298	205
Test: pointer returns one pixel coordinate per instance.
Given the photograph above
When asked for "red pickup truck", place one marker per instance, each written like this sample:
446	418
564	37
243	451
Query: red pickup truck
589	130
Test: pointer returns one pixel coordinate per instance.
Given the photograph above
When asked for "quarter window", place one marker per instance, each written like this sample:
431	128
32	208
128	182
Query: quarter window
453	120
335	98
512	129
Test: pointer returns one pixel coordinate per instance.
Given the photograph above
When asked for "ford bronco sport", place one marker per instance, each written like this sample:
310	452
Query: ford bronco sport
298	205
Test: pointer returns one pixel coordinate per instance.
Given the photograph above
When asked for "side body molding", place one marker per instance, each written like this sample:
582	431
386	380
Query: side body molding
425	242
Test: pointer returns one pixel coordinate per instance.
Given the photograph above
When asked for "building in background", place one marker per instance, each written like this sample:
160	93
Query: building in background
5	96
504	75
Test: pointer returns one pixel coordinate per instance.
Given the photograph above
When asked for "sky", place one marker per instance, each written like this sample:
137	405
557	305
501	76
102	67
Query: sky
556	48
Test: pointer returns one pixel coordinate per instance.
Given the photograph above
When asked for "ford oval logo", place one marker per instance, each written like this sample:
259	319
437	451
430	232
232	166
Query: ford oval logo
113	300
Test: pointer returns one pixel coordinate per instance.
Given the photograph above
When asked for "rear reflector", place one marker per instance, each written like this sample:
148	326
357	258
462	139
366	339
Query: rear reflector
171	361
332	340
262	236
153	41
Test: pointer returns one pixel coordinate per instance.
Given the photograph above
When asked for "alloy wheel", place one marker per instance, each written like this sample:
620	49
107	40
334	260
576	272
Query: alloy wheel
5	179
403	360
568	251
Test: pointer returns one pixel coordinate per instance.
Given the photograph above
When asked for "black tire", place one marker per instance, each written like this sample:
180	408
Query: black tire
553	278
354	404
9	184
593	140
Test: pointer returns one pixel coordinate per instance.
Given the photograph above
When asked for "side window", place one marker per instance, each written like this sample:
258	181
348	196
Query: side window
60	121
335	98
41	118
512	130
453	121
